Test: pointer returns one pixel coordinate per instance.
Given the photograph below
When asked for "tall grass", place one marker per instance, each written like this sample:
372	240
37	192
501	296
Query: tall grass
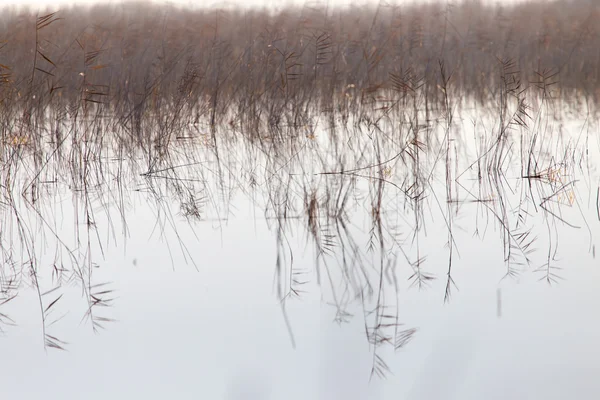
257	65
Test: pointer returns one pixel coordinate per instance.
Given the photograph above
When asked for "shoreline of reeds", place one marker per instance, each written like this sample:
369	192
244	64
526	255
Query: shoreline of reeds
124	63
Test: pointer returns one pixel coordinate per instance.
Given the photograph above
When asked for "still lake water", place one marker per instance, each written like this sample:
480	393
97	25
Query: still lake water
194	258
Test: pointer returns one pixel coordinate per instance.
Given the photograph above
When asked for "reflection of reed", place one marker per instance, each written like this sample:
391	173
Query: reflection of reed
498	303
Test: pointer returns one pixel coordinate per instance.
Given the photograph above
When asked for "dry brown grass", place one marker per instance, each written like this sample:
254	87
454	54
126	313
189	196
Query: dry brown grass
209	63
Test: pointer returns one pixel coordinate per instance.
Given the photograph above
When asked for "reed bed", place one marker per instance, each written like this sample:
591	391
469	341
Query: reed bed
257	65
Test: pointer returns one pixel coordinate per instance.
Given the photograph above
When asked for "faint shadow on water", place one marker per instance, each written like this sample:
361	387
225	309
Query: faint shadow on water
248	384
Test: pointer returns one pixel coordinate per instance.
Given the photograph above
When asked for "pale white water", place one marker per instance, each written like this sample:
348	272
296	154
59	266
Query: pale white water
218	332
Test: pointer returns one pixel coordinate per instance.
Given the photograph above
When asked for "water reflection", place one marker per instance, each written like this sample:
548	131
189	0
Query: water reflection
351	218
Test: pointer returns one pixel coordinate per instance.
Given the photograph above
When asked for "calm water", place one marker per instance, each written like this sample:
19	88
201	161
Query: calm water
332	264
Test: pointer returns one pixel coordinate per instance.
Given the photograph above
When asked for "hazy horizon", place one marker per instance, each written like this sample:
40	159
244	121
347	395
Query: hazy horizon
270	4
